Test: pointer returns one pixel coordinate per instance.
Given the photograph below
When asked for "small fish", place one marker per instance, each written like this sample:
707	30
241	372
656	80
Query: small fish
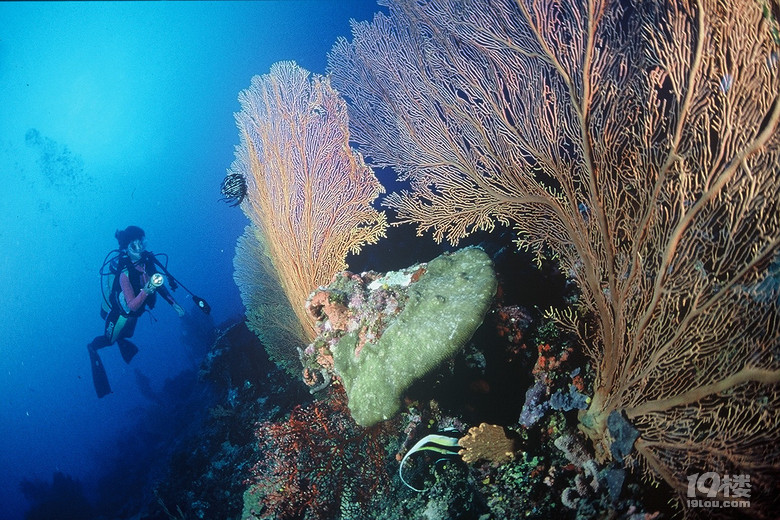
771	61
584	211
445	443
726	82
318	110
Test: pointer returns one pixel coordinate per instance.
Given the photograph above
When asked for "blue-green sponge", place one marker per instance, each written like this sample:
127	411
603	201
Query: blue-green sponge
444	308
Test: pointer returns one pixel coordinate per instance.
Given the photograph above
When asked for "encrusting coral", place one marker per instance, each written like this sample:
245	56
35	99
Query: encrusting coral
387	331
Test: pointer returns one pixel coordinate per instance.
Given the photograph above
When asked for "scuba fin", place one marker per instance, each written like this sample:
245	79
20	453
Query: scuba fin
99	377
127	349
202	304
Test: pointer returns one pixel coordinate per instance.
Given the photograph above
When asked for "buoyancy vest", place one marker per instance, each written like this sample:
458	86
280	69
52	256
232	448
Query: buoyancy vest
125	265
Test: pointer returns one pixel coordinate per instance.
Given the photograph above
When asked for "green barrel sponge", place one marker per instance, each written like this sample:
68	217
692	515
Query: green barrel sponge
443	303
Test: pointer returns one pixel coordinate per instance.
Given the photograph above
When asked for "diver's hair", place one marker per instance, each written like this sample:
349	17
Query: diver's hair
127	235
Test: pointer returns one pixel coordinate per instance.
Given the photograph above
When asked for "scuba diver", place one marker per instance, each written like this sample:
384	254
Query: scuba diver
129	287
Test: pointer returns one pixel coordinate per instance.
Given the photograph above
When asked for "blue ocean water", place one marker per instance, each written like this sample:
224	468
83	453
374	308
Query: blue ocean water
117	114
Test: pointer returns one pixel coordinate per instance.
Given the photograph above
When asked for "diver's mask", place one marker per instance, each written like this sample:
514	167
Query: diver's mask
135	248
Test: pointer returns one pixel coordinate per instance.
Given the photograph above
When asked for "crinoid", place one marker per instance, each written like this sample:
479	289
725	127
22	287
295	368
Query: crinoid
233	188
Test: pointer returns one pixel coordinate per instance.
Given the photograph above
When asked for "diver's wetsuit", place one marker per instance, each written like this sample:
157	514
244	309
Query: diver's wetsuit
126	305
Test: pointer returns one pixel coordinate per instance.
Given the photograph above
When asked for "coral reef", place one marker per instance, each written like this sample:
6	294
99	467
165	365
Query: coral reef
269	449
503	113
554	388
487	442
63	498
306	215
207	470
636	143
319	462
387	331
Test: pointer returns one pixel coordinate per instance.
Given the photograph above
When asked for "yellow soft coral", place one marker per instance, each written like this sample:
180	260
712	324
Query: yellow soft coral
487	442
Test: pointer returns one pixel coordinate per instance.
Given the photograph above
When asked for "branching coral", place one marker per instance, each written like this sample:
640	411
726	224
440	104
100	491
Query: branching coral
637	141
308	195
316	461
